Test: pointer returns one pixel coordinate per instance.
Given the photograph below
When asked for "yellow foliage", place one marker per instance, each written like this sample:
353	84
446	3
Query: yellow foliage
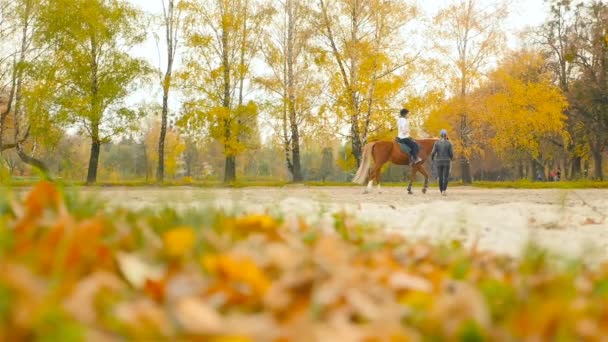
448	115
237	269
174	147
179	241
525	106
511	113
348	163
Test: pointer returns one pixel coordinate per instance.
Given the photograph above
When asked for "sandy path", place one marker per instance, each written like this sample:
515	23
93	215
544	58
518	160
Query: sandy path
570	222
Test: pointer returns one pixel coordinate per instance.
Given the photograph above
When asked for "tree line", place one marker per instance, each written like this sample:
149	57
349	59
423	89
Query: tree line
293	89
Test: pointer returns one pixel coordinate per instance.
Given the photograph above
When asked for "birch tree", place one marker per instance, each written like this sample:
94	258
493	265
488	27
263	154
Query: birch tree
172	20
222	38
293	84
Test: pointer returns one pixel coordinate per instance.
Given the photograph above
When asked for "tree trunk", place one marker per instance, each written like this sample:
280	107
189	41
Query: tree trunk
356	138
537	167
160	172
465	169
520	170
286	142
576	168
286	135
94	158
597	163
295	150
146	161
465	165
230	163
32	161
291	93
171	30
230	169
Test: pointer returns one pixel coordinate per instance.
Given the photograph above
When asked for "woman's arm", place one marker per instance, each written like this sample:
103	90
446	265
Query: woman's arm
451	152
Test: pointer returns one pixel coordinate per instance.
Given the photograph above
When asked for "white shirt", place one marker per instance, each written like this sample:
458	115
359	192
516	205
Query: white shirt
404	128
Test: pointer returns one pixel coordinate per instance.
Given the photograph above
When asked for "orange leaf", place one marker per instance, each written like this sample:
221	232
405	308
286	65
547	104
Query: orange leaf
43	195
155	289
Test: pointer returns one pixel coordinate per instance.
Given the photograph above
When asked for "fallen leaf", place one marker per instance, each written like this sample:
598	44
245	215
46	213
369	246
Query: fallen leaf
136	271
404	281
81	302
195	316
179	241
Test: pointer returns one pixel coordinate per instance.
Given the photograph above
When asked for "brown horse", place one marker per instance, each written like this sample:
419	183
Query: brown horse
377	153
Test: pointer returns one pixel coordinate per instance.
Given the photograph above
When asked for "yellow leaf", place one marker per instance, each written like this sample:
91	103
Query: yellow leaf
416	300
257	223
238	269
179	241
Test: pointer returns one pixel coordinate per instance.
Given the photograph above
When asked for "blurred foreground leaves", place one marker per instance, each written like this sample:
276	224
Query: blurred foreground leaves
70	273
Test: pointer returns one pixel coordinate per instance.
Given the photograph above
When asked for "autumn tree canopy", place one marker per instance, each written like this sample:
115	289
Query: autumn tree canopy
293	90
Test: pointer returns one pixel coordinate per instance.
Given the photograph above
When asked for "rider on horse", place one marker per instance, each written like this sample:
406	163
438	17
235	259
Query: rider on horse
404	137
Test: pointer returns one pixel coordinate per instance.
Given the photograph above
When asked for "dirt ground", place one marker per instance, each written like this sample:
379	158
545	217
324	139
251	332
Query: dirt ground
569	222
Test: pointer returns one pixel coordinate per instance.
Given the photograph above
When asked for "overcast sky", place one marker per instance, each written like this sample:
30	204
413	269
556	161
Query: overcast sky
524	13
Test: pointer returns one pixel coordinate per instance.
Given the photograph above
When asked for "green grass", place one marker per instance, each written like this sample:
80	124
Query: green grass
526	184
520	184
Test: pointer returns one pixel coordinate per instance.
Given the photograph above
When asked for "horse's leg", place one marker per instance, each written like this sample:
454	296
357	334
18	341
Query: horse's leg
368	189
412	178
426	178
373	177
376	174
378	171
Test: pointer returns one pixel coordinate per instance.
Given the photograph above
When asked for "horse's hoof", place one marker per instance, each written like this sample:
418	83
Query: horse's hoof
424	191
410	193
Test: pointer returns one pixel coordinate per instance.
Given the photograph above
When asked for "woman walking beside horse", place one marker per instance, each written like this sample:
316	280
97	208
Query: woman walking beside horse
377	153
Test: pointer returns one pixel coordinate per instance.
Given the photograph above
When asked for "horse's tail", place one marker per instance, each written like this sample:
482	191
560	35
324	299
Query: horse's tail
366	164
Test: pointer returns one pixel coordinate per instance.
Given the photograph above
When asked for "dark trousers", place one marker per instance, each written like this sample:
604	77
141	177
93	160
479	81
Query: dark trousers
443	170
412	145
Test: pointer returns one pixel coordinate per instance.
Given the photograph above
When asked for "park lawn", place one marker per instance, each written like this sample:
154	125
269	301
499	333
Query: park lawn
520	184
526	184
72	270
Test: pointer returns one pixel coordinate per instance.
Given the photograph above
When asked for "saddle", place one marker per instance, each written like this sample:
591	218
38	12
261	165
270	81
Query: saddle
404	147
